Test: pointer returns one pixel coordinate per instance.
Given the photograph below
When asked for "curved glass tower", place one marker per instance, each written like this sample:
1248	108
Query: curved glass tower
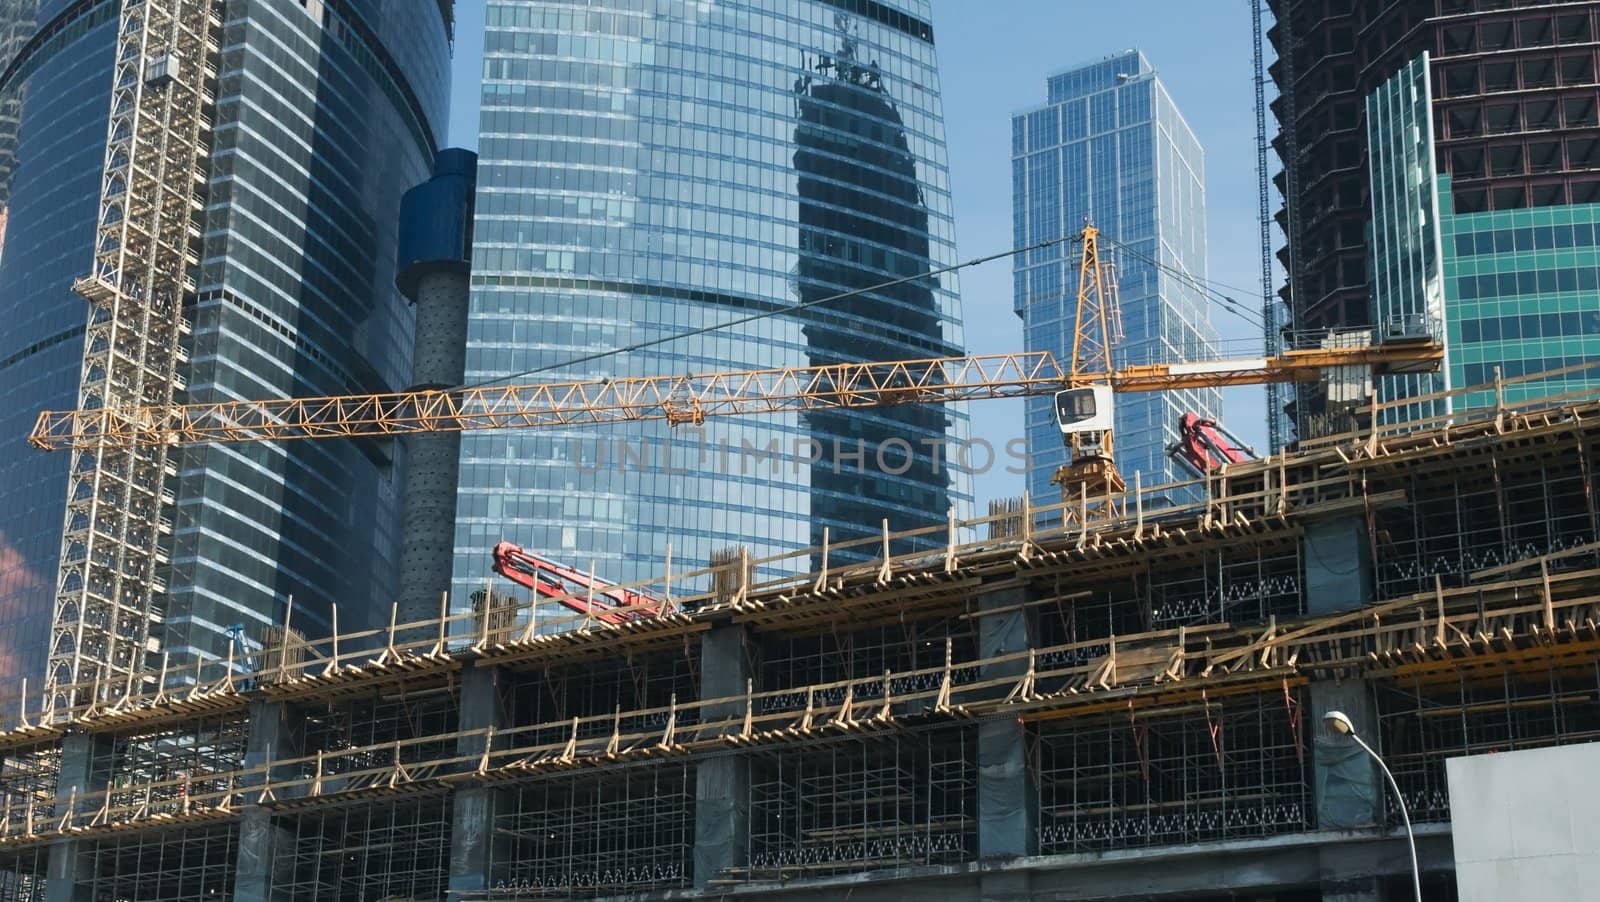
326	112
651	169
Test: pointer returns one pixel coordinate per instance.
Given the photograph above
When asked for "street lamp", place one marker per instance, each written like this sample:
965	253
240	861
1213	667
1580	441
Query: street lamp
1339	723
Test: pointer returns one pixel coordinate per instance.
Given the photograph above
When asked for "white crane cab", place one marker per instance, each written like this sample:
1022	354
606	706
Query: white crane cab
1084	415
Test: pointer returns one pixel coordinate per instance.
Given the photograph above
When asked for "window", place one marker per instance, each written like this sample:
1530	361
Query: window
1536	32
1500	77
1573	29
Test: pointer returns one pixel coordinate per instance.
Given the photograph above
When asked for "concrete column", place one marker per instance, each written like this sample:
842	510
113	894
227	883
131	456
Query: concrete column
1008	800
1005	886
473	807
275	734
85	771
1338	556
722	782
433	461
1361	889
1349	787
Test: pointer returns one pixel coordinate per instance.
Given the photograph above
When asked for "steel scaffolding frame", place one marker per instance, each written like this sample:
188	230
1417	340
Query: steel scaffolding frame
847	657
1218	769
116	524
22	874
602	834
1424	722
600	686
1482	516
28	778
898	799
382	849
161	770
1251	581
173	865
1449	629
28	781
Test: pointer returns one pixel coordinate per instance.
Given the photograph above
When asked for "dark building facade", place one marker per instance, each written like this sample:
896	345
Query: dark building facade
1514	115
325	112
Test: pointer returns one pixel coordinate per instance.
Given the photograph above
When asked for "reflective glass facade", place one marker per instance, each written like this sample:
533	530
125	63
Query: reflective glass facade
1109	146
327	111
1403	237
1518	286
650	167
1521	289
60	92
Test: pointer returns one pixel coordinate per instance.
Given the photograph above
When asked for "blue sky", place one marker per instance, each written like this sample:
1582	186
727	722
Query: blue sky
994	56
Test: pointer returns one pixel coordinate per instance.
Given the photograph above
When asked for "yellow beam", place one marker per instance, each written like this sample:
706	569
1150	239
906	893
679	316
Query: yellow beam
676	399
1291	366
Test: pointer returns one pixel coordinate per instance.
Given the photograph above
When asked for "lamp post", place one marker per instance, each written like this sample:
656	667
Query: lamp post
1339	723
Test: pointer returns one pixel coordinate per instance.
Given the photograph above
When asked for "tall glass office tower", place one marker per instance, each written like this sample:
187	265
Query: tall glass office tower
1109	146
326	112
649	168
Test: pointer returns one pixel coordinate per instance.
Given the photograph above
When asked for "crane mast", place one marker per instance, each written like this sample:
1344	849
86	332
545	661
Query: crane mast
1084	410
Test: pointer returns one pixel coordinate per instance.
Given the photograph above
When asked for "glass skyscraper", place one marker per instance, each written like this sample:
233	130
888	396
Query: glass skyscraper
651	167
326	112
1110	147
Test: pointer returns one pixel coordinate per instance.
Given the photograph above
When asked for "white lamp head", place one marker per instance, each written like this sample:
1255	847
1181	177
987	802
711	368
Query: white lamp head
1339	723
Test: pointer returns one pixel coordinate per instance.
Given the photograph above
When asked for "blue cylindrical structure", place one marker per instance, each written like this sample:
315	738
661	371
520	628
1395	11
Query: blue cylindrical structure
435	251
436	221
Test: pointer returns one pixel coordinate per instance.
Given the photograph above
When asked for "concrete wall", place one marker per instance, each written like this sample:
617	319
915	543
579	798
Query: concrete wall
1526	824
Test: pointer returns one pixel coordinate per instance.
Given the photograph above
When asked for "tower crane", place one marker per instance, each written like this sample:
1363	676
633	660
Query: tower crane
1083	395
1085	407
694	398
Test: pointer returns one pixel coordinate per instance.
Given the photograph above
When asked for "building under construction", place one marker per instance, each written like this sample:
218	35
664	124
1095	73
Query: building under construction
1514	123
1124	706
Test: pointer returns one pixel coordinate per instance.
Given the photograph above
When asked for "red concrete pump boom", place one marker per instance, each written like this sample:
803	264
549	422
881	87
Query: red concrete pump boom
589	594
1204	445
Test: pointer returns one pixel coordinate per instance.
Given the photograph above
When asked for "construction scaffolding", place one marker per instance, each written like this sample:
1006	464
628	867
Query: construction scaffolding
1223	769
387	849
597	835
1142	681
170	866
1425	722
1485	514
117	521
869	803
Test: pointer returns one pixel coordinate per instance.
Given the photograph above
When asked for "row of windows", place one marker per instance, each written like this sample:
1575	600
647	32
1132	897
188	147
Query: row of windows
752	114
1527	282
704	235
1532	325
660	305
1483	373
40	345
656	19
49	41
1529	238
1089	79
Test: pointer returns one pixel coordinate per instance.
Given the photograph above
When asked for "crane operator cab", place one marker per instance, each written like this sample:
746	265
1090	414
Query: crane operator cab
1084	415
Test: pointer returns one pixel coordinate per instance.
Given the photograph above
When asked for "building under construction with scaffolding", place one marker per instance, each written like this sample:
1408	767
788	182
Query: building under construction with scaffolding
1126	705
